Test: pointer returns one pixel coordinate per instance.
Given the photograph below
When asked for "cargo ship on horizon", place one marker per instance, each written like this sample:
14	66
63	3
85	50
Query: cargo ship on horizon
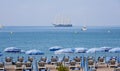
62	25
62	22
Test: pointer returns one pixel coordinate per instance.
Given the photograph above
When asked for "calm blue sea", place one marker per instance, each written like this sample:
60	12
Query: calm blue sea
43	38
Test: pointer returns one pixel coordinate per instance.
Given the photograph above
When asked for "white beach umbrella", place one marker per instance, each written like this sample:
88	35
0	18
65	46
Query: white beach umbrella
12	50
115	50
80	50
34	52
55	48
63	51
106	48
94	50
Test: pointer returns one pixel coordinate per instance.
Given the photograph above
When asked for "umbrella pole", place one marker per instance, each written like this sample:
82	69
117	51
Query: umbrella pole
64	61
118	57
95	58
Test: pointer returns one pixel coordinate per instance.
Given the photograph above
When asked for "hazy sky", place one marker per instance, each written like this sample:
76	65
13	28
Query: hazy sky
43	12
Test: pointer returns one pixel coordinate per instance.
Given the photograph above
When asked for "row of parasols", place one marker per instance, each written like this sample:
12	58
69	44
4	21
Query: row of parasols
61	50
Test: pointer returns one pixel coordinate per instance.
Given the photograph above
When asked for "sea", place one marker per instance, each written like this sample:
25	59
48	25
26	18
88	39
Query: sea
44	37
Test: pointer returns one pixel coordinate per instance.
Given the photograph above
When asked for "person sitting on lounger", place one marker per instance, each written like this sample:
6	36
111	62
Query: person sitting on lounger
77	60
43	59
112	62
28	66
54	60
30	59
20	59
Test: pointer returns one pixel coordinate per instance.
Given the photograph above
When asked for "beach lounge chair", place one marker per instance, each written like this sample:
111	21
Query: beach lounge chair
28	66
112	63
41	65
19	66
101	62
72	64
91	63
54	60
66	60
2	66
8	60
20	59
78	60
30	59
43	59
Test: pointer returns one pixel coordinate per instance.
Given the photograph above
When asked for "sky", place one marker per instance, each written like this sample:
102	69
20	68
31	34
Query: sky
43	12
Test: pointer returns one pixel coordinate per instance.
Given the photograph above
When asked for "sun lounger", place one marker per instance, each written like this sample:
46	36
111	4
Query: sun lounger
20	59
1	66
41	65
112	63
19	66
43	59
28	66
54	60
91	63
101	62
30	59
8	60
77	60
66	60
72	64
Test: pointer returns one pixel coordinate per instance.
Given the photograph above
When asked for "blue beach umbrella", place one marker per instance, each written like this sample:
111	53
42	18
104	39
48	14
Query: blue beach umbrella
12	50
80	50
64	51
55	48
115	50
94	50
34	52
106	48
